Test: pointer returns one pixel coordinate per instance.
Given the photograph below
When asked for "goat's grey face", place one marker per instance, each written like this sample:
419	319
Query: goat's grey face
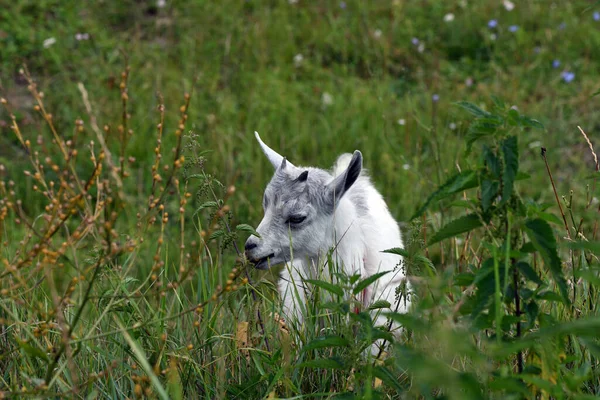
299	205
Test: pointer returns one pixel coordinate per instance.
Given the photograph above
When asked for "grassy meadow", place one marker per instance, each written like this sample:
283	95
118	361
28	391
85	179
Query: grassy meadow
130	179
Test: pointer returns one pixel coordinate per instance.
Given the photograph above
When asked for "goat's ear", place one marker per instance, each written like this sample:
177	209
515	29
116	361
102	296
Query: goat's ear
302	177
343	182
277	160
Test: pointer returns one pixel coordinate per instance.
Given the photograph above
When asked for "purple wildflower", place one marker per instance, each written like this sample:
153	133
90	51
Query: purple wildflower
555	64
435	98
415	41
568	76
343	5
513	28
596	16
492	23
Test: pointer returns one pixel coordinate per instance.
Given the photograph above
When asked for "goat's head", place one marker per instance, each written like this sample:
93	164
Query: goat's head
299	205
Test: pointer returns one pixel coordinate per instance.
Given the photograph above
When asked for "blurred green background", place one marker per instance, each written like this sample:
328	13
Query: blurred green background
315	78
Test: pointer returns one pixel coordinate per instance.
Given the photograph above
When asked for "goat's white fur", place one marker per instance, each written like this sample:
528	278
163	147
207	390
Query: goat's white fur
360	229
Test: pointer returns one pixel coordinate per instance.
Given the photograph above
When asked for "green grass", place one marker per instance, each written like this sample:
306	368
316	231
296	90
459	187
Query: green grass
360	83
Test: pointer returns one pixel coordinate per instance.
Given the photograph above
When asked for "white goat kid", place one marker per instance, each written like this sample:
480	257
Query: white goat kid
308	212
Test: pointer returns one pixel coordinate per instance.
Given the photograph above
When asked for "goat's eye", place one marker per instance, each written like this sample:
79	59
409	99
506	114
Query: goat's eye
296	219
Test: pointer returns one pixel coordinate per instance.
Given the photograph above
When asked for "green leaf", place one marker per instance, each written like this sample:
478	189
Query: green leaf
363	284
247	228
460	225
330	287
388	378
489	191
380	304
398	251
408	321
530	122
473	109
510	152
216	234
457	183
541	235
208	204
326	341
549	295
528	272
593	247
324	363
588	327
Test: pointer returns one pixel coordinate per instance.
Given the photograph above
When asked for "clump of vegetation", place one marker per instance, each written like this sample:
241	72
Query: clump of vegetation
122	209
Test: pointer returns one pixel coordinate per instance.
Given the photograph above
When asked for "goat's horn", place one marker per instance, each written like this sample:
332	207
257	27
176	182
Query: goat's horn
276	159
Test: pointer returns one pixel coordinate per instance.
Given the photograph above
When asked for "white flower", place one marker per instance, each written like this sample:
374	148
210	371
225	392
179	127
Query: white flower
377	33
401	121
449	17
406	167
49	42
421	48
293	1
298	59
452	126
469	82
509	5
514	108
493	36
82	36
327	99
161	3
535	144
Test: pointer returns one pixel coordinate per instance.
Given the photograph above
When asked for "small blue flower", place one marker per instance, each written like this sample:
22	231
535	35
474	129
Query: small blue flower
513	28
492	23
435	98
562	26
596	15
343	5
555	64
568	76
415	41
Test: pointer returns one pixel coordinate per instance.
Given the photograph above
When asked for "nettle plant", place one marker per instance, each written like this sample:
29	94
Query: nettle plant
508	290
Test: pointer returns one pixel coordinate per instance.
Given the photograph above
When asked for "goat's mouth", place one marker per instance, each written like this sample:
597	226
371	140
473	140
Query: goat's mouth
263	263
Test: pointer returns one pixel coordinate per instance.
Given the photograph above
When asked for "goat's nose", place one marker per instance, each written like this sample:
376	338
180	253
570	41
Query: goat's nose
250	245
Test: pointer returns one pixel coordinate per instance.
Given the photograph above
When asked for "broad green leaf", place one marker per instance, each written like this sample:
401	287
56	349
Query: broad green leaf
397	250
528	272
324	363
457	183
388	378
326	341
549	295
510	153
365	283
460	225
330	287
247	228
489	191
530	122
463	279
408	321
542	237
380	304
473	109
